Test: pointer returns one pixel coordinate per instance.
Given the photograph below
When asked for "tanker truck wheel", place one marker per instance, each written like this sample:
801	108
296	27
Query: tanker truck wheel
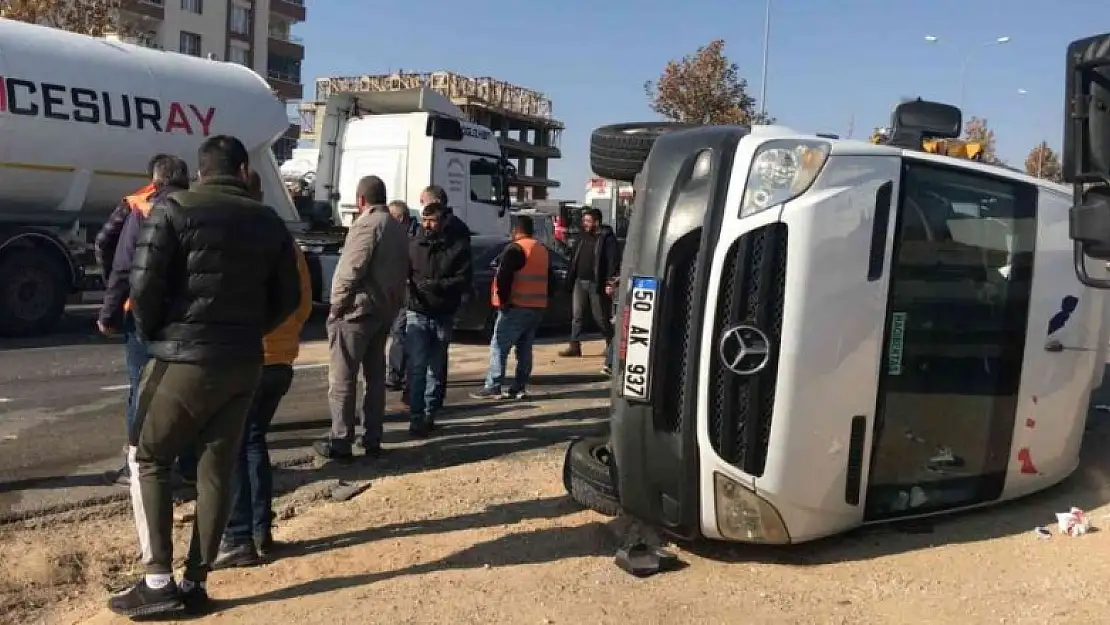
33	291
588	478
618	152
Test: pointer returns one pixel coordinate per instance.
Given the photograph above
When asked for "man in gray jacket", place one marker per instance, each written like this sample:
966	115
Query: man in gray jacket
368	289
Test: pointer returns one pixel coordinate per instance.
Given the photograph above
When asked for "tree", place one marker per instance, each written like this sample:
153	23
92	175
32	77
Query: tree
976	129
704	88
88	17
1043	162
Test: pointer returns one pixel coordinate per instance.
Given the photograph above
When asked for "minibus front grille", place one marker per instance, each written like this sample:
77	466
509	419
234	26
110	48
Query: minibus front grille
751	292
679	357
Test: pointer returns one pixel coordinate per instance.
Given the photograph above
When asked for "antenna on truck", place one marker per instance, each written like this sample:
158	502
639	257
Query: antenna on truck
1087	152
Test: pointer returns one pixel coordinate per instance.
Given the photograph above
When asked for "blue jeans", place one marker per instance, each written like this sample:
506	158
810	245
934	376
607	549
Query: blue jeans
396	374
135	357
515	328
426	341
252	487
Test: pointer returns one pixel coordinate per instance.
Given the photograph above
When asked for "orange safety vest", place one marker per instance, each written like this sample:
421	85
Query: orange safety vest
139	201
530	283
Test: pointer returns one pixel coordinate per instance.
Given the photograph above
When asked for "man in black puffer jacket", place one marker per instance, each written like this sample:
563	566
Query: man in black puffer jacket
214	272
440	275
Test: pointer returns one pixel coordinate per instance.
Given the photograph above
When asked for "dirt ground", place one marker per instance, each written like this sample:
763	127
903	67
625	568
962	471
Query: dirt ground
454	534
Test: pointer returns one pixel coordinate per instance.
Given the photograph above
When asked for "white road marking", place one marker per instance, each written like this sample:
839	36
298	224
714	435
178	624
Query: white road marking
4	400
118	387
311	365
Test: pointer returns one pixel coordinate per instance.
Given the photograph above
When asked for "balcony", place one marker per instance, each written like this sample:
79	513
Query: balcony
292	9
287	86
287	45
154	9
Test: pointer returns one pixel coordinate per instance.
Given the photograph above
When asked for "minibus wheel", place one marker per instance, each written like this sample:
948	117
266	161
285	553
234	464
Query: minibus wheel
587	478
619	151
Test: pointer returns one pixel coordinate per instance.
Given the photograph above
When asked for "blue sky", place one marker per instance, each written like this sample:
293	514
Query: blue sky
830	60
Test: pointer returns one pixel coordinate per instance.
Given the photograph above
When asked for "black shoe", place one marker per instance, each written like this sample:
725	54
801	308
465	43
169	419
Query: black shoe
234	556
515	393
196	600
574	350
143	601
332	449
419	427
486	393
121	478
266	546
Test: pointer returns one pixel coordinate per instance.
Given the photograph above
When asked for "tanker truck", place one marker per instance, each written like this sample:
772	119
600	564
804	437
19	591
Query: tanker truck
80	118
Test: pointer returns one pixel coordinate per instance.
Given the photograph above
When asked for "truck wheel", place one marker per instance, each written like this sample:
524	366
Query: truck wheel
618	151
587	477
33	292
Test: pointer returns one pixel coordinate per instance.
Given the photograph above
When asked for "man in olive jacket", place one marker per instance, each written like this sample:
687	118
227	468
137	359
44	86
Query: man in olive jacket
367	292
215	271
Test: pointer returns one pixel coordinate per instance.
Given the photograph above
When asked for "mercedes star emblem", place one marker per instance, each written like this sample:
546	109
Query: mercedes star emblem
744	350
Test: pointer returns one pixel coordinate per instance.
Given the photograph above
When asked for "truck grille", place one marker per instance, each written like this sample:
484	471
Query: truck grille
679	360
752	291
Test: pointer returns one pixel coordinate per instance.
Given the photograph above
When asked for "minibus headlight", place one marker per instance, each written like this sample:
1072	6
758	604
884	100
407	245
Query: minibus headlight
781	171
743	516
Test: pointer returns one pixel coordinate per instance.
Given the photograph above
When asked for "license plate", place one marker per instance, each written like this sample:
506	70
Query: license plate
636	376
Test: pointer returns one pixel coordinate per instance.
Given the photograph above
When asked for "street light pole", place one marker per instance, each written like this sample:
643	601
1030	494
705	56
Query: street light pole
966	62
766	51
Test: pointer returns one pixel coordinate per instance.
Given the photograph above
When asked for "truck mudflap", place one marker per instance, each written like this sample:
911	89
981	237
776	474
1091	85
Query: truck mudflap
680	207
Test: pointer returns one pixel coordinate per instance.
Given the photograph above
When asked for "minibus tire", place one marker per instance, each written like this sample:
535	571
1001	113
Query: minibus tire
619	151
586	495
588	459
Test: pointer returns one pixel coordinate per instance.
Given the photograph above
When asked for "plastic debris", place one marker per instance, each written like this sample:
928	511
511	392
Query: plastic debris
1073	522
1042	532
642	560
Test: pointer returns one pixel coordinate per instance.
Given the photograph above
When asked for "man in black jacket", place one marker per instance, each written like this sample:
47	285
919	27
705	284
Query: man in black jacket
215	271
457	229
439	275
595	261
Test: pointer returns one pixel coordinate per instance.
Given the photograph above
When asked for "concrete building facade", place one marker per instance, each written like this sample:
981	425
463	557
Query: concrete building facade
522	119
254	33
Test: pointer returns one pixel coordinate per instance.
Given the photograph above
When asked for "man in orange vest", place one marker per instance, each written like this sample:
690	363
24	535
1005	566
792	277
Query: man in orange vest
520	293
169	174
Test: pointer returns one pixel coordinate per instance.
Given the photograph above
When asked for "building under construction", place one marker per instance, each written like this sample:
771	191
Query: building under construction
521	118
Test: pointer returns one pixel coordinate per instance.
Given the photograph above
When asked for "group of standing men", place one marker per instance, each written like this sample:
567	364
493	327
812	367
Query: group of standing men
211	293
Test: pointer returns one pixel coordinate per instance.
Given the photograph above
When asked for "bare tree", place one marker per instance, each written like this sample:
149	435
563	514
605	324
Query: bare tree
704	88
88	17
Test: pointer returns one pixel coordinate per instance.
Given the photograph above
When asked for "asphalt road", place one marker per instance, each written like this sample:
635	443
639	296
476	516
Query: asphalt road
62	400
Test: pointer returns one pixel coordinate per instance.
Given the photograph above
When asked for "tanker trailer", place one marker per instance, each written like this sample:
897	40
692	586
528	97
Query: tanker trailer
80	118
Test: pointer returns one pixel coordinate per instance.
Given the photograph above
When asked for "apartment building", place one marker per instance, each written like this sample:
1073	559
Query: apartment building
255	33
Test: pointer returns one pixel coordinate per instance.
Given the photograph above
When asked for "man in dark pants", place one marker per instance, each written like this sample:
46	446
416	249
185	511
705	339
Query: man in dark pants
248	537
439	275
215	271
594	262
367	290
119	238
455	228
398	363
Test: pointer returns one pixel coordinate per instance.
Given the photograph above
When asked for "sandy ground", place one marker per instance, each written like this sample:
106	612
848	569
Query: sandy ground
454	532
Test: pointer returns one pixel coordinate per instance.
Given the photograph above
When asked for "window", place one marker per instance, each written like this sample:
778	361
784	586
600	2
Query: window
240	20
190	43
485	182
193	6
242	56
959	295
284	68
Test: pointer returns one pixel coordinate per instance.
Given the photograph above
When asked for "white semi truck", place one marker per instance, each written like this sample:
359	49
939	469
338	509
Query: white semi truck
79	120
817	333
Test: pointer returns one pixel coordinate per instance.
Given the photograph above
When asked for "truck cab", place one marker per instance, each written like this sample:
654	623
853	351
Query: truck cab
411	139
815	333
